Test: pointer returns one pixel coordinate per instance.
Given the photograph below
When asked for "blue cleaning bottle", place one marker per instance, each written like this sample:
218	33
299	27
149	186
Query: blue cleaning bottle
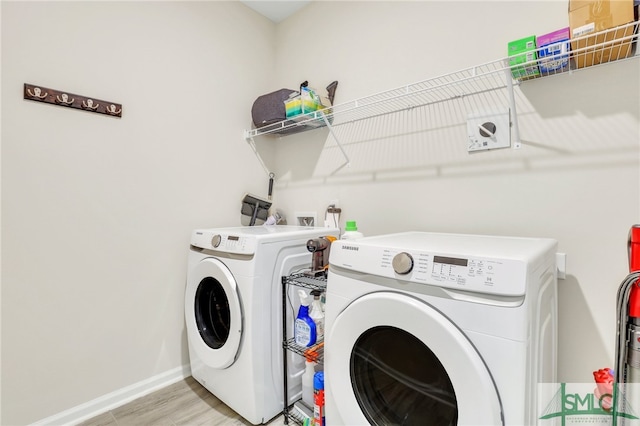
305	329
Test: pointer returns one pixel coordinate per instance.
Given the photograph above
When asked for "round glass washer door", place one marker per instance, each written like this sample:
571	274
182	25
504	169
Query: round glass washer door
213	313
393	359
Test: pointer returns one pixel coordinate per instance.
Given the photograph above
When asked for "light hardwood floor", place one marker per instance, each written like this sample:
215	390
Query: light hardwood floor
183	403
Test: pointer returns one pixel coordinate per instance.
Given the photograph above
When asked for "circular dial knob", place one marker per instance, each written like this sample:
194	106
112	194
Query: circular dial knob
215	241
402	263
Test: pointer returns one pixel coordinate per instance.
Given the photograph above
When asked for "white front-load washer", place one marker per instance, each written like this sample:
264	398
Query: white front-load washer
233	313
439	329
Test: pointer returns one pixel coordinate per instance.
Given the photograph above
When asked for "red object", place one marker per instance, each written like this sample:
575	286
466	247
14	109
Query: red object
318	399
634	265
318	409
604	391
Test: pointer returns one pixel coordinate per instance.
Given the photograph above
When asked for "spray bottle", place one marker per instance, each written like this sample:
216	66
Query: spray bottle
317	314
305	328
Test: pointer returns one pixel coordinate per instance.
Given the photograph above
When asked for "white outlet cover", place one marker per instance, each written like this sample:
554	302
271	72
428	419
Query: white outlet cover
500	139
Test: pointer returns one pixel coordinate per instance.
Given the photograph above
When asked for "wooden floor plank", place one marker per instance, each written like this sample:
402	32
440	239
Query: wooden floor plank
105	419
185	403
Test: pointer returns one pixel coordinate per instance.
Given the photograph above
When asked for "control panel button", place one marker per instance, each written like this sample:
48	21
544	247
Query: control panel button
215	241
402	263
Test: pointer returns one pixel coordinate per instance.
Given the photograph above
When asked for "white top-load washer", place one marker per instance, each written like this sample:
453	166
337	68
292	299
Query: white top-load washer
439	329
233	312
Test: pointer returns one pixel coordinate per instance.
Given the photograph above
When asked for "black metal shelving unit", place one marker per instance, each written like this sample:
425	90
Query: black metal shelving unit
316	352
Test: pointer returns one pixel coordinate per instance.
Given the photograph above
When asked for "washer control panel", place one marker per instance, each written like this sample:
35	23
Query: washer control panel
228	243
469	273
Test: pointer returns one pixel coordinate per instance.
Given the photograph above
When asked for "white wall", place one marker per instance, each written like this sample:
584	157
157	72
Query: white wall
97	211
576	178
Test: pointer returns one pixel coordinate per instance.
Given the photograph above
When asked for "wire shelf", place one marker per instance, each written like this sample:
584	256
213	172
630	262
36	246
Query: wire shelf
479	79
306	281
583	52
292	417
587	50
313	353
298	415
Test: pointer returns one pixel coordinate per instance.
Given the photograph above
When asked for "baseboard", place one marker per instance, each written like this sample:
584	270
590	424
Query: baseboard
117	398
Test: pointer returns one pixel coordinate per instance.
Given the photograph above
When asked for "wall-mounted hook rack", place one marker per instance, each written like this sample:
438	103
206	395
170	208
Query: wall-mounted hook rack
113	110
70	100
64	99
89	105
37	93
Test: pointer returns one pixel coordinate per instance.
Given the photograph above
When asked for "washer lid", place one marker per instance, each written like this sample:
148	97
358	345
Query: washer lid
213	313
393	359
245	239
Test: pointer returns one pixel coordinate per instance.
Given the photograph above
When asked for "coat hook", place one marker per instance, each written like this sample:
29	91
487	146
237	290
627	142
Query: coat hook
89	105
65	99
36	93
111	109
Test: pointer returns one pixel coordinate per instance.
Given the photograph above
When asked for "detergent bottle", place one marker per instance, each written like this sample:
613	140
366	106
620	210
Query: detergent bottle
317	314
307	382
351	231
305	329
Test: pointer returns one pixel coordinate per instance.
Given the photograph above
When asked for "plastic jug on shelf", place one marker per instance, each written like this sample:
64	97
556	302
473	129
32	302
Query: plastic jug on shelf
307	383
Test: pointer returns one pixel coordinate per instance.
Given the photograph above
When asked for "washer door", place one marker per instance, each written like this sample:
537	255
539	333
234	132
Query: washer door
213	313
394	359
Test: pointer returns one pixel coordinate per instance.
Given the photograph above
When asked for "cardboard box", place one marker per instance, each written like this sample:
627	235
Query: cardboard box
599	16
520	52
553	51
